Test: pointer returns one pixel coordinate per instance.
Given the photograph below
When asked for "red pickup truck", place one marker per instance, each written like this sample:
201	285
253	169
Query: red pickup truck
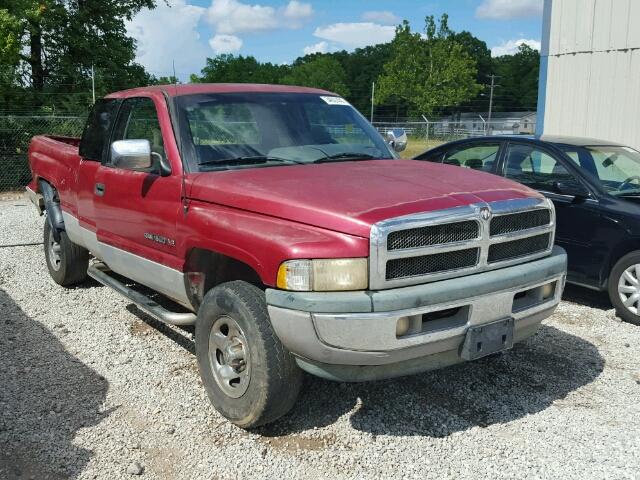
284	227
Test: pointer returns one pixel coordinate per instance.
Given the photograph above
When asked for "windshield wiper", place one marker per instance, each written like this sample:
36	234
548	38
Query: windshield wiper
345	156
249	160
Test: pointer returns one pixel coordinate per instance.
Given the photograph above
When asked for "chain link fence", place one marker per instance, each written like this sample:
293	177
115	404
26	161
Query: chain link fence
447	131
16	132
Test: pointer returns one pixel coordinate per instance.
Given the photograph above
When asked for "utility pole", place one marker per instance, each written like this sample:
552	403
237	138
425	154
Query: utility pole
93	84
373	94
492	86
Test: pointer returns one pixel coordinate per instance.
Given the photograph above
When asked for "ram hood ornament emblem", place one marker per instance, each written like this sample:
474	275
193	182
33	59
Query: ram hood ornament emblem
485	213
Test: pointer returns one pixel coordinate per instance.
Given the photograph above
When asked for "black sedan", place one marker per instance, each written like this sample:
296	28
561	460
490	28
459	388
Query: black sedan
595	187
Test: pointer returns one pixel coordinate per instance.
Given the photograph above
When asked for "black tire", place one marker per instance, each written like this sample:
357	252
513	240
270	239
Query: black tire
274	379
70	268
618	270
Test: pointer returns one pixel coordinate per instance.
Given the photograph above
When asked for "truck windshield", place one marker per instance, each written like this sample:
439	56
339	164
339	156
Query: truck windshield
251	130
615	168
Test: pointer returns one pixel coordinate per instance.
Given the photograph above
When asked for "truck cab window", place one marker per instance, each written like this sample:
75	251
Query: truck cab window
97	128
138	120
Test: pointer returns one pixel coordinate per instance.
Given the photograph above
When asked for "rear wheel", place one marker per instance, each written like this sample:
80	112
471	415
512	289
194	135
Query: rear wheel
624	287
66	261
250	378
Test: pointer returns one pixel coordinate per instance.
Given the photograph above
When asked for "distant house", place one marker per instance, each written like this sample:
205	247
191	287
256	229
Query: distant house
502	123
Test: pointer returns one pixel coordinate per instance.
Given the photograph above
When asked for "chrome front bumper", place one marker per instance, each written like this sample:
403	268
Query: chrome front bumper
352	336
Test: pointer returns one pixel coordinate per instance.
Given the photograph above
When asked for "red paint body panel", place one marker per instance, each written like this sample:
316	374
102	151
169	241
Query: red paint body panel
260	216
56	160
350	197
197	88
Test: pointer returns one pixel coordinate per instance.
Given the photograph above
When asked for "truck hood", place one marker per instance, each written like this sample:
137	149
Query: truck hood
350	197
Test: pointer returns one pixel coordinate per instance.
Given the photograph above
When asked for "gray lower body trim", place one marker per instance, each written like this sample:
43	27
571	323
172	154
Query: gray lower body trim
365	345
444	291
154	275
36	199
412	366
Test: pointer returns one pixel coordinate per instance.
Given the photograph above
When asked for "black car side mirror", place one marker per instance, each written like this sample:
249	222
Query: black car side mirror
573	189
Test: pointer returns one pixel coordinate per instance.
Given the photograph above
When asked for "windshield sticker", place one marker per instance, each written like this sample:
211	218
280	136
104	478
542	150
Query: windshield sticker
334	100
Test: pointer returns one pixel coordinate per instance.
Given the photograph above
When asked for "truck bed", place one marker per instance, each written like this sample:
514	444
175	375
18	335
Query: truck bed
55	159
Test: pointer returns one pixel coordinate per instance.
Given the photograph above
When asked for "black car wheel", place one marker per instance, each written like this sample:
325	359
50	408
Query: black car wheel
251	379
624	287
66	261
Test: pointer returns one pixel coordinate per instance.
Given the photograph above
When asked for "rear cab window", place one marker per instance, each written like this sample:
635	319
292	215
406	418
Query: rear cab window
97	130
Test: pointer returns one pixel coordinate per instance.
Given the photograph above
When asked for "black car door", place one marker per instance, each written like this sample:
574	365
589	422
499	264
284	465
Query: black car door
577	217
477	155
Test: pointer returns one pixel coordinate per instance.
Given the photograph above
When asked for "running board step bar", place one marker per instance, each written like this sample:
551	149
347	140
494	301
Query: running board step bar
100	273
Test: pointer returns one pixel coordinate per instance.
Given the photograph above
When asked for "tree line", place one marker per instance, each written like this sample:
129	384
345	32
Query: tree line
48	49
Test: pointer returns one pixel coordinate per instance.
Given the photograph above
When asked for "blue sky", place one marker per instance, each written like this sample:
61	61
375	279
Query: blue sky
189	31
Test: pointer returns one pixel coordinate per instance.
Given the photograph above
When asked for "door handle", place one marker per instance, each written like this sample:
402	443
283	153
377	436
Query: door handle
99	189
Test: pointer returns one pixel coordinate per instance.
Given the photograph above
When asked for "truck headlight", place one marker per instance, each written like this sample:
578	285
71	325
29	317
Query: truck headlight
324	275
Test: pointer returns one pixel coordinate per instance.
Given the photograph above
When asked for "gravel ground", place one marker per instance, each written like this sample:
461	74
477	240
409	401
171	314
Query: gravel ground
92	388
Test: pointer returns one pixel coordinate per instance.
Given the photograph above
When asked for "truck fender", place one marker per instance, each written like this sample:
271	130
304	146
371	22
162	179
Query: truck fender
52	207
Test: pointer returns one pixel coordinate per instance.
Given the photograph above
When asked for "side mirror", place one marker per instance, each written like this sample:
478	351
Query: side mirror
573	189
397	139
131	154
136	155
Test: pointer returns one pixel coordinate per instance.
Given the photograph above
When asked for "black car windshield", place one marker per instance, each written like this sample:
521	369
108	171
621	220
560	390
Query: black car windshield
615	168
229	131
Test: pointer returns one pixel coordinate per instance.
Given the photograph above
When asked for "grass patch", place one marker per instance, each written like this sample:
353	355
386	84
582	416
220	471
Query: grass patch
417	145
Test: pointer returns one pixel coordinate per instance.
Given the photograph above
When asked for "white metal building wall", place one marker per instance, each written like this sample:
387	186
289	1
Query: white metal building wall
590	70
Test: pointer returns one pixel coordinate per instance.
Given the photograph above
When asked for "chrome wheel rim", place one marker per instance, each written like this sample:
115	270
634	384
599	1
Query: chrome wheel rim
629	288
55	253
229	357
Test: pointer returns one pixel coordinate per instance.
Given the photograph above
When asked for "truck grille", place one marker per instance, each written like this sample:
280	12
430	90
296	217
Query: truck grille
433	235
518	248
516	222
426	264
465	240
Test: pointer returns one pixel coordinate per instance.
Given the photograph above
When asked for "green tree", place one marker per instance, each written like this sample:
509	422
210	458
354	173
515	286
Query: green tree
170	80
322	71
362	67
518	80
58	42
428	72
228	68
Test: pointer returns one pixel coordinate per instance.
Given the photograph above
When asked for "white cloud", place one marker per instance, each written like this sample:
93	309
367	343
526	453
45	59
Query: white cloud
222	43
166	34
233	16
507	9
320	47
296	10
510	47
384	17
356	35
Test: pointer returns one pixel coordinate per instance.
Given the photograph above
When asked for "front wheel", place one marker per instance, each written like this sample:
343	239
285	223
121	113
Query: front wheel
624	287
66	261
250	378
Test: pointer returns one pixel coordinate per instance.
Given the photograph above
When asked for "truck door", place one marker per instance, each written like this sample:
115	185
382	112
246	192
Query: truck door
137	211
93	146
